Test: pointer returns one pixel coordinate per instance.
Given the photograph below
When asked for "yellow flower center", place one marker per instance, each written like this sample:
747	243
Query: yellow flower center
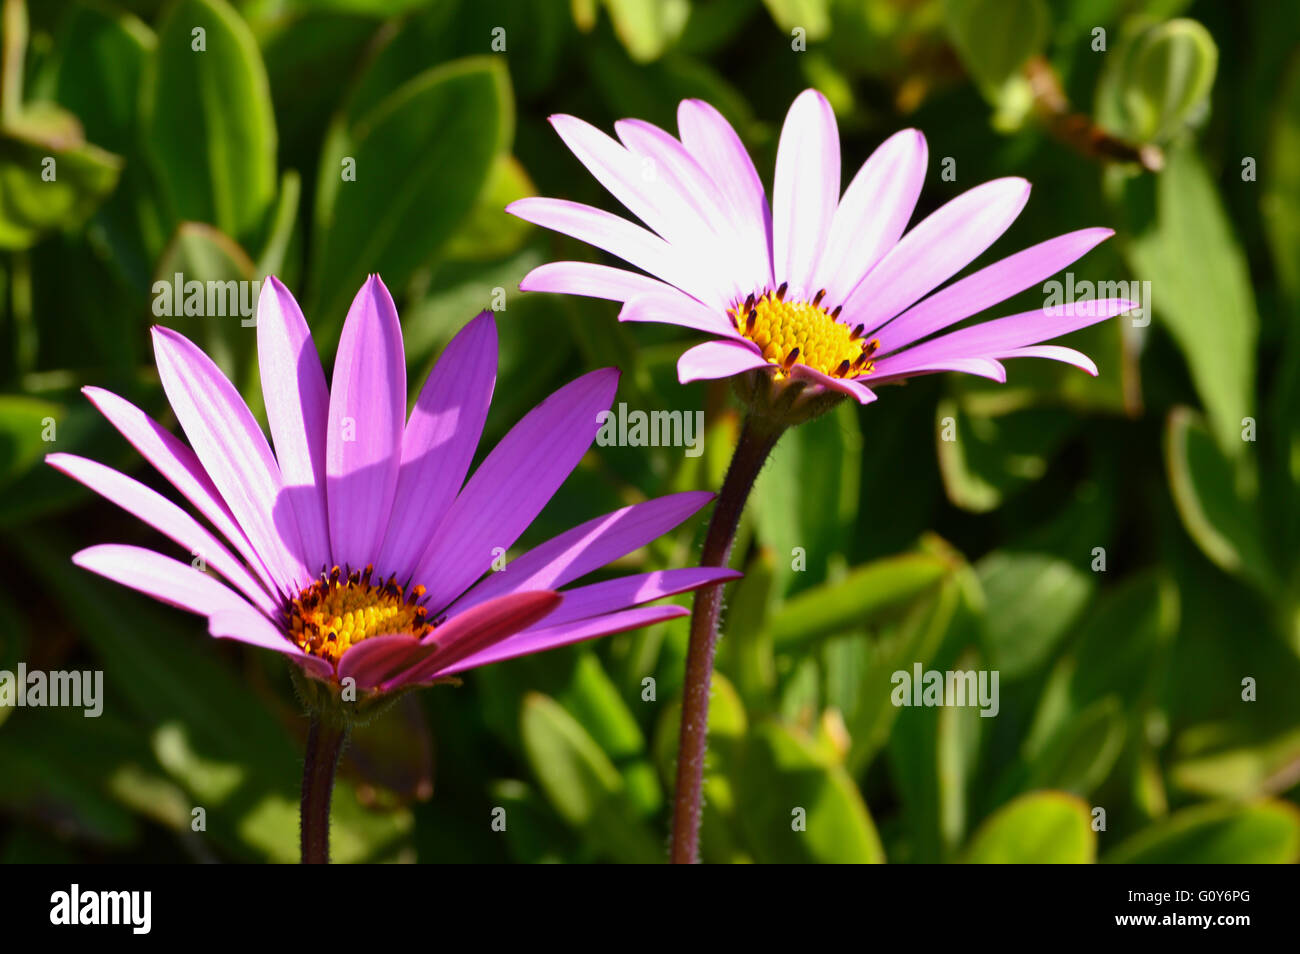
336	612
803	332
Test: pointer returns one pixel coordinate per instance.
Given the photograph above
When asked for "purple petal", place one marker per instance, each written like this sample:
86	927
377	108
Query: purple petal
540	640
181	467
380	658
513	484
630	242
718	359
853	388
944	243
297	408
711	140
366	417
167	580
593	281
234	452
873	213
609	596
805	191
478	629
988	286
439	442
587	547
246	626
163	515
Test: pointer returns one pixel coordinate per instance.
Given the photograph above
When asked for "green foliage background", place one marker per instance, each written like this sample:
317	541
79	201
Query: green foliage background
1121	689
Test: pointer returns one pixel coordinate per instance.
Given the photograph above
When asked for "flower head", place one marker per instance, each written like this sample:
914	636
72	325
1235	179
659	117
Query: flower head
818	287
353	548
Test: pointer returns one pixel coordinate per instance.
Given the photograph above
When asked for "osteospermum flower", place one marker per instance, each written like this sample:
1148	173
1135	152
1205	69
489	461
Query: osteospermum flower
353	549
822	288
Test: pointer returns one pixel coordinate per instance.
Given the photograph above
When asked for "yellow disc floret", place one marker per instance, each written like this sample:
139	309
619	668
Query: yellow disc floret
803	332
338	611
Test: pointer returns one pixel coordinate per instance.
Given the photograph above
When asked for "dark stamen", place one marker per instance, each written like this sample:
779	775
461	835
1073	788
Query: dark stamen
790	359
818	299
780	292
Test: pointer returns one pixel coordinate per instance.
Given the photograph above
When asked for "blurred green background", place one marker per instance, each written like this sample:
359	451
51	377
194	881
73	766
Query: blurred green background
1121	549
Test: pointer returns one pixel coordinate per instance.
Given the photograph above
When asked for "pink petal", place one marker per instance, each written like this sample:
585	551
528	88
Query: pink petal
676	308
439	442
990	285
163	515
234	452
873	213
853	388
167	580
366	418
593	281
1055	353
540	640
630	242
694	193
297	408
944	243
805	191
181	467
711	140
897	367
478	629
587	547
718	359
513	484
1004	334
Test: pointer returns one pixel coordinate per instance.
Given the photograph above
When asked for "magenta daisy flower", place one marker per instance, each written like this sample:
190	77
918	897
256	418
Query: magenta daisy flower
353	549
823	288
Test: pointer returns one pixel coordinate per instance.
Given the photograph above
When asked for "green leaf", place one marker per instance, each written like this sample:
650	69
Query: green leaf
796	804
50	178
24	423
991	457
581	783
1082	752
1168	76
860	596
1038	828
806	497
207	728
1280	178
811	16
203	288
1266	832
1216	504
1202	292
488	234
1033	599
995	37
595	701
647	27
1220	760
421	158
208	122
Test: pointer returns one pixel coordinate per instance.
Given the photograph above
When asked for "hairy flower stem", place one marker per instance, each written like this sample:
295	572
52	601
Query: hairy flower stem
325	740
758	435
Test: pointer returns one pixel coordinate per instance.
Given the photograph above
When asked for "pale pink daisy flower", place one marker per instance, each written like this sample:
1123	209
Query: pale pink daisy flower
820	287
